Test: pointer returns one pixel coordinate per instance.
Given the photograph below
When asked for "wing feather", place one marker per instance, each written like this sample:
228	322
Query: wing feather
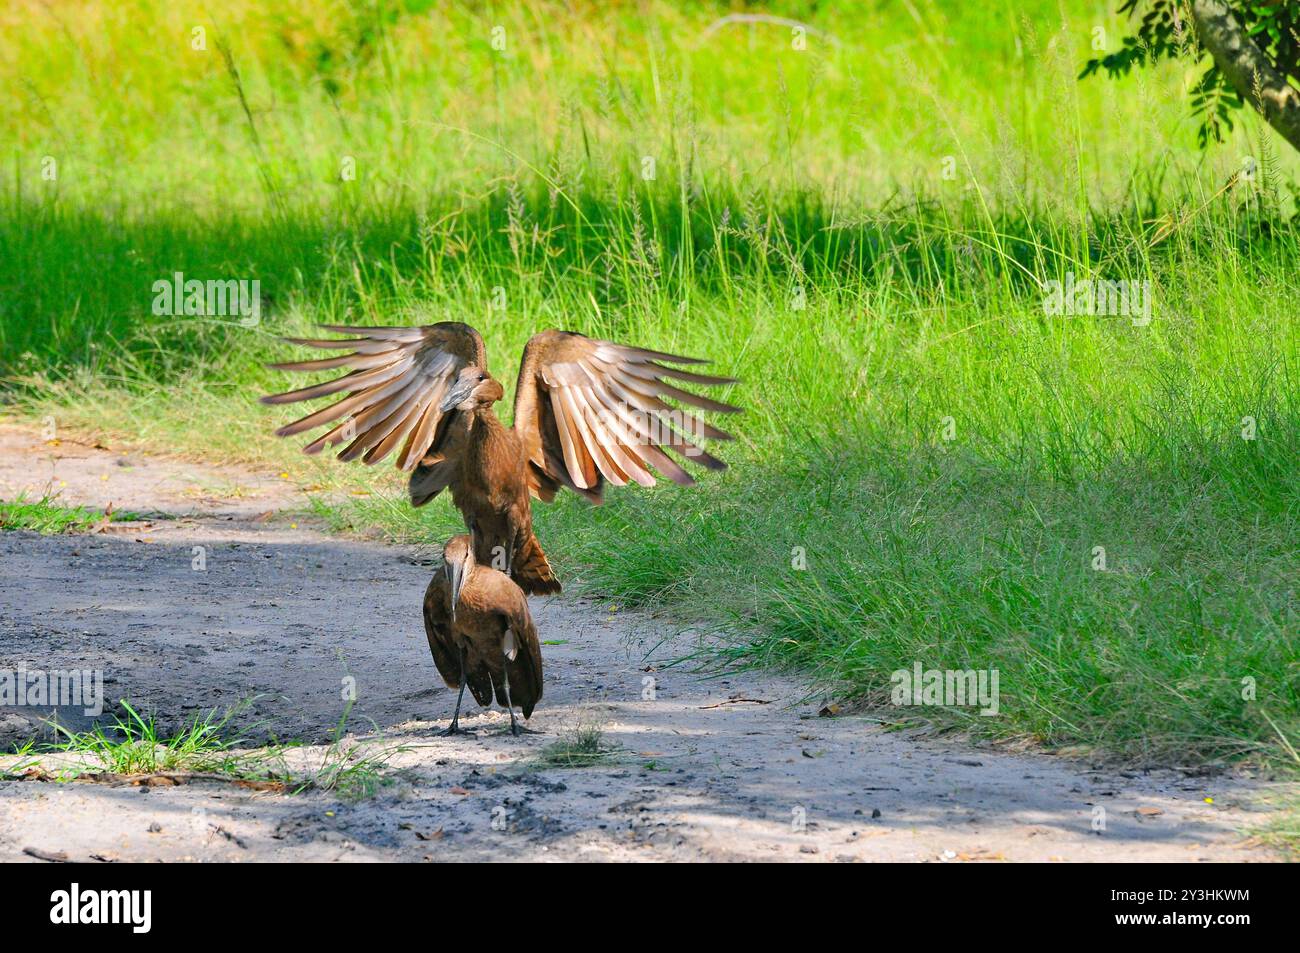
663	432
569	440
640	391
575	409
613	430
398	376
642	441
344	344
358	361
591	411
371	406
618	441
423	434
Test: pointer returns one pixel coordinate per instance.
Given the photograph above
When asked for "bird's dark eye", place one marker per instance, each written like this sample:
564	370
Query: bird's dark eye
482	377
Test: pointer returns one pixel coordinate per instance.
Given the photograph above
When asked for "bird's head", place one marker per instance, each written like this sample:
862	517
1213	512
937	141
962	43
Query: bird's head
474	387
457	561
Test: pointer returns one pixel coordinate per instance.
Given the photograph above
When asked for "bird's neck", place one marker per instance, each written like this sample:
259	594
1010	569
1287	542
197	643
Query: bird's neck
492	445
485	417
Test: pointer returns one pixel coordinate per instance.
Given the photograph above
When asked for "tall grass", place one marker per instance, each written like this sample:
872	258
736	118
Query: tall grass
861	232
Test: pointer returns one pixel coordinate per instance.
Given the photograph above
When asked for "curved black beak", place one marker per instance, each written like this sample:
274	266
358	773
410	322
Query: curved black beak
457	394
456	576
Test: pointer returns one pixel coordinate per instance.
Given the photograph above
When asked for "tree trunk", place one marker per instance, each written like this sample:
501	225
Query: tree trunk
1248	69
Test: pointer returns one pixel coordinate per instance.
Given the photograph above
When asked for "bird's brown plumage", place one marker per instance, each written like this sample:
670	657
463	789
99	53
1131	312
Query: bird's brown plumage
484	630
586	412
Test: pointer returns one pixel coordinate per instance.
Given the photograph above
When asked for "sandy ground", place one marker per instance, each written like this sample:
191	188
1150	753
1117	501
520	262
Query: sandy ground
729	768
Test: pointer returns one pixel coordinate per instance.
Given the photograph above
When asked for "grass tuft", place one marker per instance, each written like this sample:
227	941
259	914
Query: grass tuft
48	517
131	745
582	746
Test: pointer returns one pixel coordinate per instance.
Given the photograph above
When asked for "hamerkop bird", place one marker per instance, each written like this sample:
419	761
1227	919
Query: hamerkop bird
586	412
481	634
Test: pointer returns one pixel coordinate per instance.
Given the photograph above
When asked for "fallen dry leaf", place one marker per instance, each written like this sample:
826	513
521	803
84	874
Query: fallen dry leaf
54	857
980	854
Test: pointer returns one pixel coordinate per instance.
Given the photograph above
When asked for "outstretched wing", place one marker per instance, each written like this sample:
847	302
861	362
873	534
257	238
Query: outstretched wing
588	411
397	381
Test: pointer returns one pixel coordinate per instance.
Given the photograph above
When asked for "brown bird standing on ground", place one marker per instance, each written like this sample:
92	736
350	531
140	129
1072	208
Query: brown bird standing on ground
481	634
586	411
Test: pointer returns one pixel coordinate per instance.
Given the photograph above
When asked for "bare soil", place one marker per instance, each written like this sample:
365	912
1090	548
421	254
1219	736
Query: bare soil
738	767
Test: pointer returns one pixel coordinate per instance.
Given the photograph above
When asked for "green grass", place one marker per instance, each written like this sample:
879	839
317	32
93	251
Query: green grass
583	746
49	517
941	455
133	745
350	770
1282	831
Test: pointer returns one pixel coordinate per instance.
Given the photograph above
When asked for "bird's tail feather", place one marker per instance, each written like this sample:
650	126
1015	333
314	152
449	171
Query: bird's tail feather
531	570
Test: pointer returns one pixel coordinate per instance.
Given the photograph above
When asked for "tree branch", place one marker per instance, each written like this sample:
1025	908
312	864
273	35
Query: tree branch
1248	69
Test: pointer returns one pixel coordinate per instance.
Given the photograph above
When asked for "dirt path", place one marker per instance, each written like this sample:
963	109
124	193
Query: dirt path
710	769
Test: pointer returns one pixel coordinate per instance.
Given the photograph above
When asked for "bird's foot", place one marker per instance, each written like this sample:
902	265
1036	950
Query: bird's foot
517	729
452	729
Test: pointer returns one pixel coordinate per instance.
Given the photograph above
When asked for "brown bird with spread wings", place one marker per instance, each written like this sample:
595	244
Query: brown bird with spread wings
586	412
481	634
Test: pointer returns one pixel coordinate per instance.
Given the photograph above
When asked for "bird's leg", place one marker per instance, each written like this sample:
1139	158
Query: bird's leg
454	727
510	707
